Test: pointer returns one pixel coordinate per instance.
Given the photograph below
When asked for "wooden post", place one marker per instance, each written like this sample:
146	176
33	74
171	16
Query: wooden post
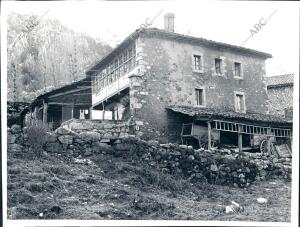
72	116
35	116
103	110
240	139
45	113
209	135
91	110
117	112
269	140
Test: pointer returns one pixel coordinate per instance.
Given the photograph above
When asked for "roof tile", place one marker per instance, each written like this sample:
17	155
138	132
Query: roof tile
218	114
286	79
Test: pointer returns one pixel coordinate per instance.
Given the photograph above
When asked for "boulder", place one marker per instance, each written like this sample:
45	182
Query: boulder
165	145
15	129
105	141
11	138
98	147
123	134
183	146
214	168
88	152
66	139
117	141
89	136
108	126
123	146
99	126
53	147
16	148
51	137
81	125
109	135
191	158
64	131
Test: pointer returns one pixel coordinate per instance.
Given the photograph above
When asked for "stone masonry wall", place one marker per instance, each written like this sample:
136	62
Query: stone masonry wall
82	139
280	98
168	79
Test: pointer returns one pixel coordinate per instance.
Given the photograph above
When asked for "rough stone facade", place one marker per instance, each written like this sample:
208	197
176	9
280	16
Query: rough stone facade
167	78
281	100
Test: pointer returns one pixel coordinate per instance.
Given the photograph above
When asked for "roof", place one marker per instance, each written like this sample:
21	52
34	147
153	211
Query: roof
74	85
280	80
176	36
217	114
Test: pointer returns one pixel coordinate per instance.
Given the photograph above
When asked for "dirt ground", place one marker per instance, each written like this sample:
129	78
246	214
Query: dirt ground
51	187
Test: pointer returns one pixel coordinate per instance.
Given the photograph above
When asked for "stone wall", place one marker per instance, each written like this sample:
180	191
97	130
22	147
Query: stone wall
280	99
82	139
168	79
85	137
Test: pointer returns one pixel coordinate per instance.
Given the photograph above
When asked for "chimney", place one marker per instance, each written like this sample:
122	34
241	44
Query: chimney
169	22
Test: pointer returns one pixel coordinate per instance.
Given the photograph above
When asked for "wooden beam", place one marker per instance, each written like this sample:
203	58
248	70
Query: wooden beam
81	94
240	139
35	115
209	135
269	140
69	104
91	110
67	92
103	111
84	87
45	113
73	109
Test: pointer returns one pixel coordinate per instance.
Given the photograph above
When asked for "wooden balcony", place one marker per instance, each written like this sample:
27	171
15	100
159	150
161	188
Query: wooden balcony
113	88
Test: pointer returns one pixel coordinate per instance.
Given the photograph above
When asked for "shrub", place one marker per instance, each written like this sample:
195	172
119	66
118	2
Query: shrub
164	181
12	119
36	137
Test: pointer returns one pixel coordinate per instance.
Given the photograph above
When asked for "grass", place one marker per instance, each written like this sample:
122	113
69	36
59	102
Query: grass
117	188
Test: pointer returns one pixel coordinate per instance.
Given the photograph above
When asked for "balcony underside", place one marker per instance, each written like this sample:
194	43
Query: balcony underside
106	103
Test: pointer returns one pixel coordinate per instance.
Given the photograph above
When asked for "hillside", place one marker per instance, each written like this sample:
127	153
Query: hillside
118	184
46	57
116	188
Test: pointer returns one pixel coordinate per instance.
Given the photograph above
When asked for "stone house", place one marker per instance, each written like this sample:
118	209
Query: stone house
175	88
280	94
179	88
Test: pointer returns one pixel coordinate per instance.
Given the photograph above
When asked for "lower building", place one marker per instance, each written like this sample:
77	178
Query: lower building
280	93
59	105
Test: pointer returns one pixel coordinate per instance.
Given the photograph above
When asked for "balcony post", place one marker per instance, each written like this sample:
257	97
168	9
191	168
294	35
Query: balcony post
240	139
209	135
45	113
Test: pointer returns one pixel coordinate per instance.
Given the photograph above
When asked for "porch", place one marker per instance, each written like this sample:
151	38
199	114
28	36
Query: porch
207	127
59	105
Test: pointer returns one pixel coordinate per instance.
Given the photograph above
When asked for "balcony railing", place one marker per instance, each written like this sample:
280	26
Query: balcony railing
116	69
110	90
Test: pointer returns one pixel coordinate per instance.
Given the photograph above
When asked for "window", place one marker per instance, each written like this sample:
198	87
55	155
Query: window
240	105
199	95
197	62
218	64
237	70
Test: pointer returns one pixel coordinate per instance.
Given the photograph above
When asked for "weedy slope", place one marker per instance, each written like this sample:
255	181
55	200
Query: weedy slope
109	187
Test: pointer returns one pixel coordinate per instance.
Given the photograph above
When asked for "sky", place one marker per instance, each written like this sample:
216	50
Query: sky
224	21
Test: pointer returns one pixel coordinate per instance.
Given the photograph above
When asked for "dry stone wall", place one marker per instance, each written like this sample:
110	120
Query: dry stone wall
81	139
